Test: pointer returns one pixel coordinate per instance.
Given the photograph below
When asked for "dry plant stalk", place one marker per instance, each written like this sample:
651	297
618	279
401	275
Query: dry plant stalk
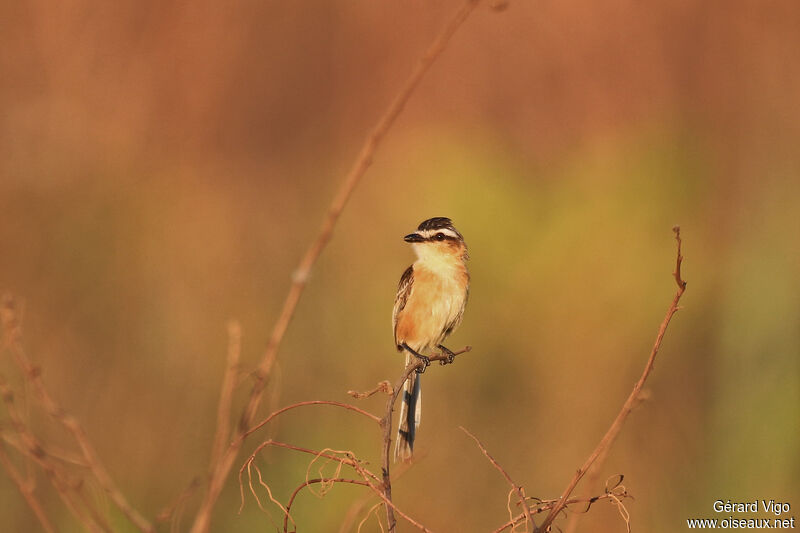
311	482
222	456
386	426
26	488
611	435
358	506
68	489
615	494
224	462
514	487
11	322
379	485
226	393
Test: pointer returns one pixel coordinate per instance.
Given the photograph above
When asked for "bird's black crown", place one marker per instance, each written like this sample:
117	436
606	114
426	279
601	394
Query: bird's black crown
436	223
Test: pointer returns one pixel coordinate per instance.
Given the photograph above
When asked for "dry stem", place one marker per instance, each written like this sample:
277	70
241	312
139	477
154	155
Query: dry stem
220	471
382	493
226	394
629	404
26	488
311	482
312	402
11	325
614	495
386	426
519	490
33	449
384	387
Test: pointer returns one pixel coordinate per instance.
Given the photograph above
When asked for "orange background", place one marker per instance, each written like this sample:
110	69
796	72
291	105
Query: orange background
163	167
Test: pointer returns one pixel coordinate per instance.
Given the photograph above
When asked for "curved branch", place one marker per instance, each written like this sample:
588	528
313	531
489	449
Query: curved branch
311	482
311	402
519	490
388	500
627	407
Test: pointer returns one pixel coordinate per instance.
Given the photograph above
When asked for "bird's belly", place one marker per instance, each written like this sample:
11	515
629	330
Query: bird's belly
433	307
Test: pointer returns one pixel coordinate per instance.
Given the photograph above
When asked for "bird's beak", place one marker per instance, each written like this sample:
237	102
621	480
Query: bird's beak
413	237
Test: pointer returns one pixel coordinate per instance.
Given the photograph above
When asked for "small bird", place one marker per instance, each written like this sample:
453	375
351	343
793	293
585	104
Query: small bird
429	305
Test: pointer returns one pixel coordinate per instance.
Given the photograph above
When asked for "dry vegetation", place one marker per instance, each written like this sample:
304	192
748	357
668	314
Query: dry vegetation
70	472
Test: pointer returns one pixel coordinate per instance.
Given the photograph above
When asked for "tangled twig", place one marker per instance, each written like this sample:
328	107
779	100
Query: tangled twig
514	487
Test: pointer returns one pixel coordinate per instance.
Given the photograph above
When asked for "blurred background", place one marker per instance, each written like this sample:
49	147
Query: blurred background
164	165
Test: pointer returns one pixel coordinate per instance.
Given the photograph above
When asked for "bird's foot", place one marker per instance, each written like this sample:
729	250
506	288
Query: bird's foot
426	360
449	353
426	363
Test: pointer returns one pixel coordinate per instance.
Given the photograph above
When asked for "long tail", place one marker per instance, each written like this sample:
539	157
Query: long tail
410	411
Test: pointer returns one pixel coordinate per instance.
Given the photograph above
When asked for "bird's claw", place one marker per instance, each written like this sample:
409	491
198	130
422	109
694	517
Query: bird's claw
450	356
426	361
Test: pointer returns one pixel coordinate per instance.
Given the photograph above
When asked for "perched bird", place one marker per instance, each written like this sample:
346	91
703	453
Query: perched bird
429	305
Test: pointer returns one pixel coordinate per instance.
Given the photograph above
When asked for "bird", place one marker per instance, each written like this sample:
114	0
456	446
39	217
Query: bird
428	307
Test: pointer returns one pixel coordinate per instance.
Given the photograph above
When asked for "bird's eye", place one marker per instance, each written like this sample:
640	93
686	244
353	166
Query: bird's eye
439	236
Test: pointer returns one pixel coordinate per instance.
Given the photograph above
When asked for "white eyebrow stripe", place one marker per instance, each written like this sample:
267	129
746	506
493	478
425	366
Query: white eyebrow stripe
448	232
428	233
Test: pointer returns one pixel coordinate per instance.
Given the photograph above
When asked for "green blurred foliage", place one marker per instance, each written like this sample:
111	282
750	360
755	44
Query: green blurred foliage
164	166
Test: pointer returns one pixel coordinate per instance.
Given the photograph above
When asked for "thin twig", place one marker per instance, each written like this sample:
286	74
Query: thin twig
629	404
312	402
518	489
32	373
226	394
370	479
546	505
384	387
311	482
386	426
591	481
33	449
344	460
359	504
381	492
27	490
300	277
168	511
373	509
50	450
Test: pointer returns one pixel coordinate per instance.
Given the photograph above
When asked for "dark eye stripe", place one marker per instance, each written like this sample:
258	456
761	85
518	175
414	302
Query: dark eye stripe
436	238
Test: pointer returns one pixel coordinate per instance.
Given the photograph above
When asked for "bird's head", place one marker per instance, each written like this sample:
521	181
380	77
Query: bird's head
437	238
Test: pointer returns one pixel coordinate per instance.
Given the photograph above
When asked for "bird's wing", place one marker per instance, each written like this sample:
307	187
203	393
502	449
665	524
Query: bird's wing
456	321
403	290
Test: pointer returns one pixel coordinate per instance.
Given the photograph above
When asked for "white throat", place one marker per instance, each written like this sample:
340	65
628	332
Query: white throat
433	258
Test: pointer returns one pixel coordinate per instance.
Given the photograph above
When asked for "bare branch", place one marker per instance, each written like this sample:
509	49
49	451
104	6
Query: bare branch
27	491
301	273
386	426
627	407
348	461
311	402
169	511
384	387
50	450
311	482
34	450
615	496
226	394
387	499
12	330
519	490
